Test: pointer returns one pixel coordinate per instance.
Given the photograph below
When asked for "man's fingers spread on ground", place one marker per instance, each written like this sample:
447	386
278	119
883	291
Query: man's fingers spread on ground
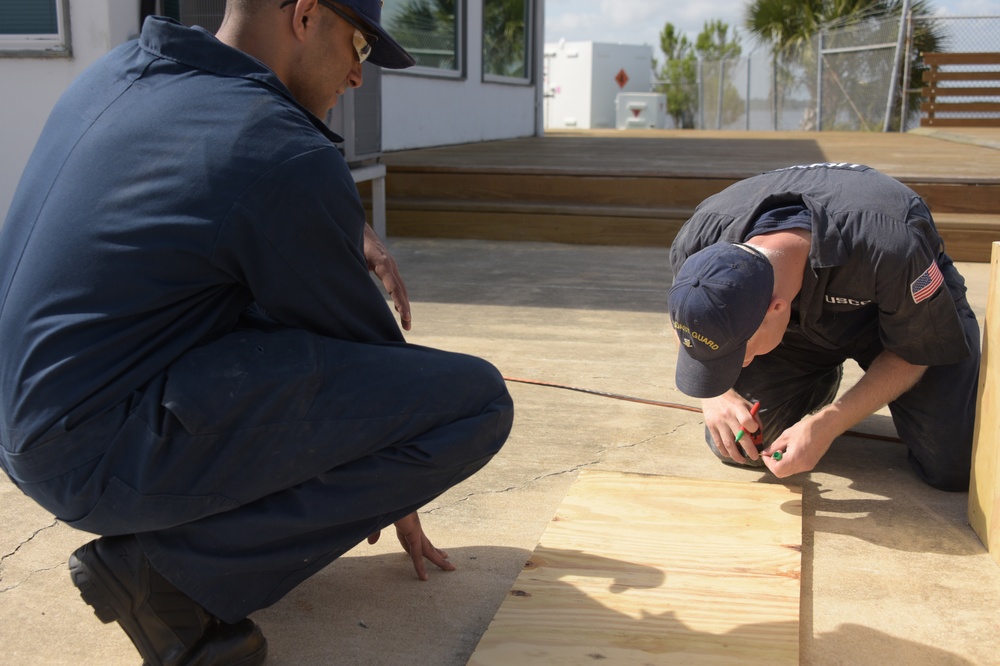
418	562
441	560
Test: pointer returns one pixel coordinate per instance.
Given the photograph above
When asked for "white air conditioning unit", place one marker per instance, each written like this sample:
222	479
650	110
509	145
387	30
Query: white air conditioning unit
641	111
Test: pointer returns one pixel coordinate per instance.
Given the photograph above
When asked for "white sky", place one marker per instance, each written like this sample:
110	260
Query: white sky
641	21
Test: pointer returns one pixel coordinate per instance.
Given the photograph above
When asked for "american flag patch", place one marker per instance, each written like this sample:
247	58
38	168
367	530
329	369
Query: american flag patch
924	286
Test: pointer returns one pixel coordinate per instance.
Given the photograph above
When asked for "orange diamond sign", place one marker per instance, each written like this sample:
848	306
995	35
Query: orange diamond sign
621	78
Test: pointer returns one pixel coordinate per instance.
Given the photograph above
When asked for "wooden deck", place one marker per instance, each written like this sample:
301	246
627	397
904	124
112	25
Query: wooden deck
637	187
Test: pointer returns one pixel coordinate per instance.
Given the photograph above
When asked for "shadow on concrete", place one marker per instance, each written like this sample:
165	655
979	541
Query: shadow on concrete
372	610
896	511
542	275
856	644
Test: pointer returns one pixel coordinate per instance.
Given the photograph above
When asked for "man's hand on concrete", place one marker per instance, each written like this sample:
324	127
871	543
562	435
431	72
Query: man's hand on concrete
411	536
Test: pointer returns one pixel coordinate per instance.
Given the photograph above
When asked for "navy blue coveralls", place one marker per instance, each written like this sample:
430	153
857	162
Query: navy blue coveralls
877	279
191	346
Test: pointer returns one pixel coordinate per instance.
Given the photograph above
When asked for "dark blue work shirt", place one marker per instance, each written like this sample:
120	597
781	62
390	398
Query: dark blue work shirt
176	182
877	269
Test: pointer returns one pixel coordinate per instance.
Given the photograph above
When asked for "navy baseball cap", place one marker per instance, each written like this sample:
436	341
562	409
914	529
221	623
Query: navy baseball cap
717	302
386	52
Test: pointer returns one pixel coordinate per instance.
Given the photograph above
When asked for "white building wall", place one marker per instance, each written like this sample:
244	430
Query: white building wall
31	86
568	84
418	112
422	111
581	84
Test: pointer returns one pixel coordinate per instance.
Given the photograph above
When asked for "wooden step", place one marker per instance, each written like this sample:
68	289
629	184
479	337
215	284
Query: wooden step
575	225
967	237
600	190
642	191
539	208
977	198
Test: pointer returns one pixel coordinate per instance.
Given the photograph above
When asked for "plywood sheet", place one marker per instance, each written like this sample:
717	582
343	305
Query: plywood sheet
639	569
984	488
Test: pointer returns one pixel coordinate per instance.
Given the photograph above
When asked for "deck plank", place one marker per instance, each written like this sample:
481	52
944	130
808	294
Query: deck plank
717	154
638	569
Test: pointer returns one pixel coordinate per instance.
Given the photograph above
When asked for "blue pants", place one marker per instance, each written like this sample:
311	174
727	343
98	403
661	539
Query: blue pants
935	419
261	457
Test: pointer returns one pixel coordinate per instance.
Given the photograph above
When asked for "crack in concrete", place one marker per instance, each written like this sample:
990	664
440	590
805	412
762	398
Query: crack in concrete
27	541
5	556
576	468
639	443
30	574
510	488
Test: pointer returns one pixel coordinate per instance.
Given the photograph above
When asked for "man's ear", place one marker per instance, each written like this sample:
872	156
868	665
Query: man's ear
777	304
301	15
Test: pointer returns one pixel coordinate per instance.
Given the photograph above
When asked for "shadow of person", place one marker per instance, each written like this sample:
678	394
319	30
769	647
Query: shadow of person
856	644
573	607
372	610
865	489
606	610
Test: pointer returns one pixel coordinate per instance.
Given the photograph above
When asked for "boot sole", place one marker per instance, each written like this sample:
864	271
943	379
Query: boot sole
102	592
100	589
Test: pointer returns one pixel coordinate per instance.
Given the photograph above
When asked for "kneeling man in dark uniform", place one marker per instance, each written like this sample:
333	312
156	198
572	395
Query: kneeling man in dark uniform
782	277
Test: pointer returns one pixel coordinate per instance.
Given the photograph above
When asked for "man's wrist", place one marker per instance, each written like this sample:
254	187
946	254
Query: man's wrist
831	421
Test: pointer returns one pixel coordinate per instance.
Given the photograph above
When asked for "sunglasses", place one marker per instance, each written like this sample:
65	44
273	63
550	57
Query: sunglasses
364	40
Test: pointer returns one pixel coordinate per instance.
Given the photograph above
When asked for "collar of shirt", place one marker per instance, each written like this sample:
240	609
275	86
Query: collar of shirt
199	49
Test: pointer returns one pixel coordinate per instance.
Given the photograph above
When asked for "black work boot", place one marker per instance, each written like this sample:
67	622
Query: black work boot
165	625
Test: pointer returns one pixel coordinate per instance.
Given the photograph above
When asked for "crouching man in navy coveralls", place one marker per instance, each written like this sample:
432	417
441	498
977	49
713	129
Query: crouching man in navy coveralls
195	362
782	277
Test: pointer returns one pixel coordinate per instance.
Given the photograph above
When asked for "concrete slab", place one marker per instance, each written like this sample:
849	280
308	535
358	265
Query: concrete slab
892	573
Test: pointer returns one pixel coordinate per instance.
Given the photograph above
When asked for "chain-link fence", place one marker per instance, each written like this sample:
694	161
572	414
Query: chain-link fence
838	81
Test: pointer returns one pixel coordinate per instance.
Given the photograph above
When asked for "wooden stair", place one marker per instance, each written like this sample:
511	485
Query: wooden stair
603	210
591	191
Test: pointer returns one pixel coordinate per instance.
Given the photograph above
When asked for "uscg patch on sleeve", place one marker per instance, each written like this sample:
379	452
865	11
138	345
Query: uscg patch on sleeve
924	286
